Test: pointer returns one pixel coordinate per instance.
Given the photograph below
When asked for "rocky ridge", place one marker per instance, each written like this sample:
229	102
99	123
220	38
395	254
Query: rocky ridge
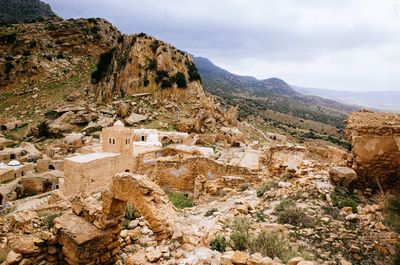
16	11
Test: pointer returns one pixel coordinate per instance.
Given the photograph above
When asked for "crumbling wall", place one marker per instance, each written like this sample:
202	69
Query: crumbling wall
180	174
375	139
281	158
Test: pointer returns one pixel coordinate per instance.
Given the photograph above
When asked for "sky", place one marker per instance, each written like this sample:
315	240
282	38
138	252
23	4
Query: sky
336	44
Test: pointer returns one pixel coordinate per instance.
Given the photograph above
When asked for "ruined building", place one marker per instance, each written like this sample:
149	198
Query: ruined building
375	139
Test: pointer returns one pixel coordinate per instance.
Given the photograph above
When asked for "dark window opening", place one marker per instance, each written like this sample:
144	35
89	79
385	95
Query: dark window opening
12	156
127	170
51	167
142	138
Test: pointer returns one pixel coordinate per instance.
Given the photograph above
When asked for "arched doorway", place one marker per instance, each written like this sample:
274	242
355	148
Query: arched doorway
1	199
12	157
127	170
51	167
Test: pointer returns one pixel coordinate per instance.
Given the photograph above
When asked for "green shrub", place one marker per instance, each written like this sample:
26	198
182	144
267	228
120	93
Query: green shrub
3	254
240	236
342	198
152	65
288	213
8	67
294	216
284	204
264	188
219	243
193	72
181	80
180	200
103	66
269	244
49	217
166	83
244	186
129	212
154	45
92	20
239	240
397	255
43	129
260	216
210	212
392	213
160	76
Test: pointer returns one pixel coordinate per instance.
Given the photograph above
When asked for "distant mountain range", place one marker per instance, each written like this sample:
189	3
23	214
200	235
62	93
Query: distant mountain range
16	11
270	96
382	100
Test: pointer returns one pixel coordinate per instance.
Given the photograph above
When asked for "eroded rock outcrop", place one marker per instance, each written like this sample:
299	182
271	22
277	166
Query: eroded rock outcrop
375	139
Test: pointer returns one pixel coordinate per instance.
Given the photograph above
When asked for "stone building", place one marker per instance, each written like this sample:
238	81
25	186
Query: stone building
13	170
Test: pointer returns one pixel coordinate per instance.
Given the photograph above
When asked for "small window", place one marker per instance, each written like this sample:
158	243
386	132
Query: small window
109	140
15	175
22	173
143	138
113	141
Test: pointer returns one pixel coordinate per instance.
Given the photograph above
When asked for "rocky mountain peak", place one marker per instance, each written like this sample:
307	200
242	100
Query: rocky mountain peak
278	86
143	64
15	11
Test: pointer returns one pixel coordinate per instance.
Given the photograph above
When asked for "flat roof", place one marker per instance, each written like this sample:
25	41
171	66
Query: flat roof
91	157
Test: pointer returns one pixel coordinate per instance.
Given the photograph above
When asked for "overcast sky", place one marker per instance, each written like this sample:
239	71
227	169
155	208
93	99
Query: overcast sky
337	44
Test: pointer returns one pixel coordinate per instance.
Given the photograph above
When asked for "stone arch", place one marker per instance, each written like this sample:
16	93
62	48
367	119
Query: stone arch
146	197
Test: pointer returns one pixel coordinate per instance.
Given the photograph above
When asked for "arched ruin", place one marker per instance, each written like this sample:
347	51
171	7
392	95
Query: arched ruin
146	197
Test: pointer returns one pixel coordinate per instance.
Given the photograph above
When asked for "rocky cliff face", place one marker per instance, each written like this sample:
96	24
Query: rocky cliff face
375	139
15	11
143	64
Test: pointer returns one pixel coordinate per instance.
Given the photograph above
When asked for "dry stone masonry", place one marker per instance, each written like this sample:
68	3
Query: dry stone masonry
375	138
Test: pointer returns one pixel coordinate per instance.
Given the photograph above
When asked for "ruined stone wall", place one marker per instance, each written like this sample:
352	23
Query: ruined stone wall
44	165
281	158
95	175
375	139
181	174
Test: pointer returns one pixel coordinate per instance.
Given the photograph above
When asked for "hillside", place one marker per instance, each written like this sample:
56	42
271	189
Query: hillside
15	11
277	102
383	100
44	62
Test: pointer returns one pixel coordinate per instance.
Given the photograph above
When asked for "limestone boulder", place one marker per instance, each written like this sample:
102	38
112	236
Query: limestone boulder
135	118
124	109
13	257
342	176
240	258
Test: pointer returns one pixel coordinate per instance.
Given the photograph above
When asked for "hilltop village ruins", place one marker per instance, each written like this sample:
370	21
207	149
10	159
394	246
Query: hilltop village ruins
90	181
